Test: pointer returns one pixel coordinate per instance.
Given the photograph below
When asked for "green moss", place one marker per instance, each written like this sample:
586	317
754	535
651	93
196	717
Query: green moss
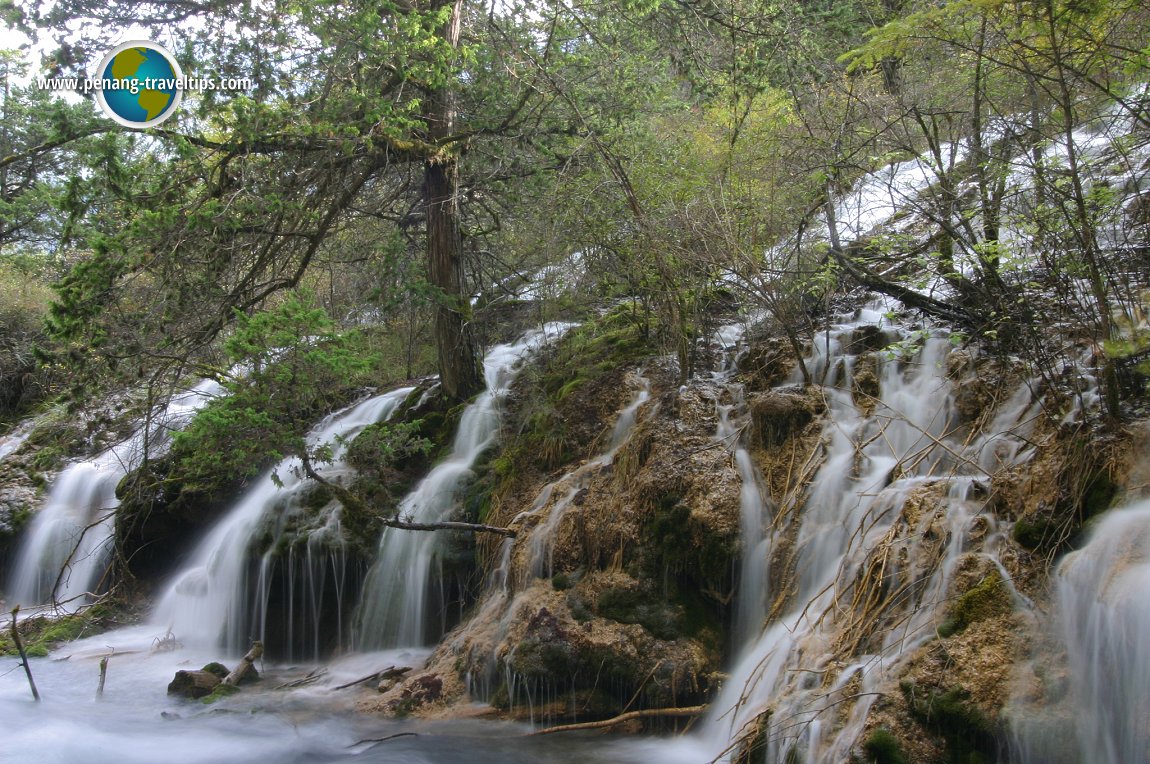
989	598
218	669
882	747
1039	533
219	693
969	735
1098	496
634	606
40	634
561	582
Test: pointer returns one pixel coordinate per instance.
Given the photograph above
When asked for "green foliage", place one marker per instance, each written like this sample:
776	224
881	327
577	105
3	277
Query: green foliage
297	367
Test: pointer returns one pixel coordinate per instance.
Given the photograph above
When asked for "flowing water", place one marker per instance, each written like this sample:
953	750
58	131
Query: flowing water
489	627
135	722
879	452
217	599
64	552
396	606
1101	620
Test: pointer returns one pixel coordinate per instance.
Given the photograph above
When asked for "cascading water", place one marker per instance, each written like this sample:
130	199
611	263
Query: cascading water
64	552
1103	618
751	608
490	625
879	451
394	605
216	597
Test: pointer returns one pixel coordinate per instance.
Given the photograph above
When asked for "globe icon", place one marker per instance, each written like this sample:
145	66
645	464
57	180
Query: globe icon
139	84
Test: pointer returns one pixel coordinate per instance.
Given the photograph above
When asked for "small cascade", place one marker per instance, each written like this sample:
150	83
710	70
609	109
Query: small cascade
751	607
490	625
1103	619
10	442
218	597
541	542
396	601
64	552
894	470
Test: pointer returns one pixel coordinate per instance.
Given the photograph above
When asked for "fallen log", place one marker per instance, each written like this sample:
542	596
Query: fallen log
193	684
245	666
648	713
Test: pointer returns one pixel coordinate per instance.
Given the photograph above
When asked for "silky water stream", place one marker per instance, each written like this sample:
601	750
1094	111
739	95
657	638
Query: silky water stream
213	606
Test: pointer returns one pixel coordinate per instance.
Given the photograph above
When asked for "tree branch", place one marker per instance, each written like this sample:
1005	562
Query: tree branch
356	504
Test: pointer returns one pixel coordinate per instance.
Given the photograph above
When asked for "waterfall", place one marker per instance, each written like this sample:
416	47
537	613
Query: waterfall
393	608
1102	620
214	598
879	450
64	552
489	626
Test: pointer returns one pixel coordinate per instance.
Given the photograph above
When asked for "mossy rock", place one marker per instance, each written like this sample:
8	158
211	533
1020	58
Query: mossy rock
989	598
778	414
219	693
217	669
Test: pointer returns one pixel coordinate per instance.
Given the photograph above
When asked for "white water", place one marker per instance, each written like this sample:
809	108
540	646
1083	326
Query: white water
213	601
393	608
64	552
872	464
16	437
1104	620
136	722
754	510
488	629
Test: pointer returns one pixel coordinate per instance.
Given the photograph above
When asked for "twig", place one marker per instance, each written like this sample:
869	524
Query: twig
647	713
23	656
384	739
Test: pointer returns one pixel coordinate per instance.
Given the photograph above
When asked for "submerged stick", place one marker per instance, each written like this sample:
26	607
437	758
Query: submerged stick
103	676
649	713
23	656
378	740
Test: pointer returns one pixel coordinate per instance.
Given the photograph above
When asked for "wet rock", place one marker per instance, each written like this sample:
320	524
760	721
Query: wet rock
777	414
767	363
420	691
868	337
193	684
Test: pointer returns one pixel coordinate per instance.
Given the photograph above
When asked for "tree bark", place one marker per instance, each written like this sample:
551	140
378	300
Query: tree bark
245	666
458	370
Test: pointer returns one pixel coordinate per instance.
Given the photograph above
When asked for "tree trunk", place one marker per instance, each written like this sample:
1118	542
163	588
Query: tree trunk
458	370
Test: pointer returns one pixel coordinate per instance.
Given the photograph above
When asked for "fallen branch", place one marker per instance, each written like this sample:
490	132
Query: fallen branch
313	676
241	670
648	713
23	656
391	672
384	739
357	505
